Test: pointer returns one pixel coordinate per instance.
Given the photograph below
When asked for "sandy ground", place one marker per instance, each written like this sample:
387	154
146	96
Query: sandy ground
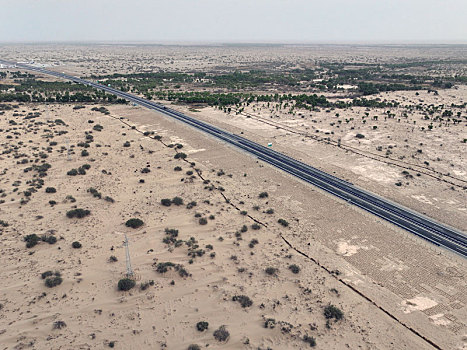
423	169
386	295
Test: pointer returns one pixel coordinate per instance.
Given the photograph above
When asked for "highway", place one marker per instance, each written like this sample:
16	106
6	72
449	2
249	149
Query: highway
437	233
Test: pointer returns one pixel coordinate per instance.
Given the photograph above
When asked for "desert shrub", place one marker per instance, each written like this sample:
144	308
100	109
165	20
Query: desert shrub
85	166
126	284
127	144
270	323
253	242
59	325
134	223
52	203
146	285
166	202
81	171
145	170
94	192
49	239
31	240
165	266
243	300
72	172
177	201
331	311
178	168
202	326
203	221
360	136
53	281
76	245
4	223
50	190
113	258
283	222
98	127
271	271
221	334
191	205
255	226
70	198
109	199
270	211
46	274
84	153
309	340
243	212
244	228
263	195
211	217
180	155
294	268
194	347
78	213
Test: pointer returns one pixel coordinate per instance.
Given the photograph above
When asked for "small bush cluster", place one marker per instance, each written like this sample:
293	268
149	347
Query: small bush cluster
95	193
78	213
126	284
283	222
177	201
263	195
294	268
191	205
180	155
255	226
165	266
271	271
134	223
243	300
59	325
221	334
49	239
52	279
253	242
80	171
331	311
31	240
202	326
50	190
309	340
146	285
76	245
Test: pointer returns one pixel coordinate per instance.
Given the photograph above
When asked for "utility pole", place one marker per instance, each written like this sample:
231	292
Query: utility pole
129	270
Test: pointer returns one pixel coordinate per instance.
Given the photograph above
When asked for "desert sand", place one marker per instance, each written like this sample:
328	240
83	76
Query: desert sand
233	263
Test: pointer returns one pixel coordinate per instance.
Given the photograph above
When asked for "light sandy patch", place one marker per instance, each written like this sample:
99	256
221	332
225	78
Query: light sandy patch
373	170
440	320
346	249
422	199
418	304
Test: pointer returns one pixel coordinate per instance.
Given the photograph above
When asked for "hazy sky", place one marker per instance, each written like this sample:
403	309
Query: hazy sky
234	20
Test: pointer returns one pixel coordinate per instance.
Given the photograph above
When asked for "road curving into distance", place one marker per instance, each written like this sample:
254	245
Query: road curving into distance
437	233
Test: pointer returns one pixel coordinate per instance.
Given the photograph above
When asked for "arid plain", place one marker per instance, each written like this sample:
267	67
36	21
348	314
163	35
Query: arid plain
236	243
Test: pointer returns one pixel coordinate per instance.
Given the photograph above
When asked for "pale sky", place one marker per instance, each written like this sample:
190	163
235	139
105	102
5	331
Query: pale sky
303	21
